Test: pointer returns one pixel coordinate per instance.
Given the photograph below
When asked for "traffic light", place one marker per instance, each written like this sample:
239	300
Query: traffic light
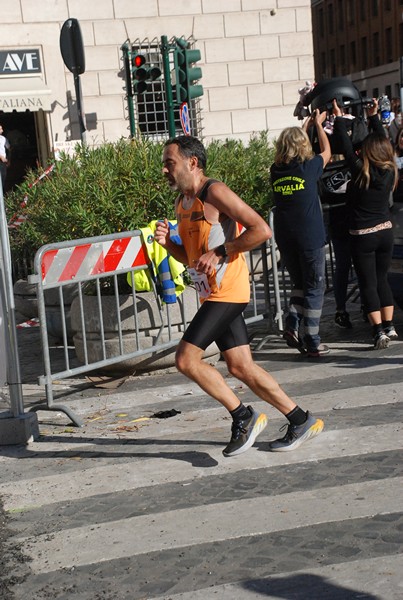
186	74
143	73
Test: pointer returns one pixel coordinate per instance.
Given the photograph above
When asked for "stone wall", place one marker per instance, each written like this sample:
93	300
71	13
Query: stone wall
255	56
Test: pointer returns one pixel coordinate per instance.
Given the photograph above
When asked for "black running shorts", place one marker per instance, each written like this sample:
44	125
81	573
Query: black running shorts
219	322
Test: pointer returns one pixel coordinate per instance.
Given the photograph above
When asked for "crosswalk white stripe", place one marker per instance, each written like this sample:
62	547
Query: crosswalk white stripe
208	412
157	469
211	523
285	377
364	578
332	368
161	394
130	400
355	397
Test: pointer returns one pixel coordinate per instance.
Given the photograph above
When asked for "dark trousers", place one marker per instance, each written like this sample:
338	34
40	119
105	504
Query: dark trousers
372	256
307	273
3	173
341	274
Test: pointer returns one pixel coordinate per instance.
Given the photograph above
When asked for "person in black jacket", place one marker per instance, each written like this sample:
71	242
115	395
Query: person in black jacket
333	187
374	175
300	231
398	146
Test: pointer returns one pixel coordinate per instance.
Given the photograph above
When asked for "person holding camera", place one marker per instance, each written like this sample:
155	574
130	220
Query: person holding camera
374	176
333	185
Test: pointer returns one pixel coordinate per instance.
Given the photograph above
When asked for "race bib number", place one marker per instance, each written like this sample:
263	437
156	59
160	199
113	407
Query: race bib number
201	283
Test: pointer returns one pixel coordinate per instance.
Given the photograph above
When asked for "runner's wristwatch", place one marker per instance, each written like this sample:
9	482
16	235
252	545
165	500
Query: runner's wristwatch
220	251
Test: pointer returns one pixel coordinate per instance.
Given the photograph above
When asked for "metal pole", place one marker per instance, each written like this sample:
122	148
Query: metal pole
7	294
79	100
129	88
168	86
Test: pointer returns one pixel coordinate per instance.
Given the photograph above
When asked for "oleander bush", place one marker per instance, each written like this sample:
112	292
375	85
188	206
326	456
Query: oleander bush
119	187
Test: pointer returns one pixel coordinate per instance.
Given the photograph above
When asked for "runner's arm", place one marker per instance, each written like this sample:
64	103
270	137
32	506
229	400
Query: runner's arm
222	202
226	202
162	236
324	144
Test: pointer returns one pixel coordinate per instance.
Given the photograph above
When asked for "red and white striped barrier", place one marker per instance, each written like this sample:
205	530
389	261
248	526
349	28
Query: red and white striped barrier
17	219
30	323
81	262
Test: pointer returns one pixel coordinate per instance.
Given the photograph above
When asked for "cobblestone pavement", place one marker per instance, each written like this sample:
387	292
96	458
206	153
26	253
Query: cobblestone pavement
136	507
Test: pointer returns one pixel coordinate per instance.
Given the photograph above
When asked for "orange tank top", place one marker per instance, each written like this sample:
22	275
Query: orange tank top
230	280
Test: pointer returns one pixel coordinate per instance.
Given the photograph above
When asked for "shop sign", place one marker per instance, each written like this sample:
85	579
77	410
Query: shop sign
22	104
20	62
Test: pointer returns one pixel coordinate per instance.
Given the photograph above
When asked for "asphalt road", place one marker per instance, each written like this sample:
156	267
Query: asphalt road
136	507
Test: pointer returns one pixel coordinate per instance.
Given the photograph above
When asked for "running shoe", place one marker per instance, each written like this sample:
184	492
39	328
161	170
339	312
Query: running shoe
391	332
297	434
321	350
245	432
381	340
342	319
293	340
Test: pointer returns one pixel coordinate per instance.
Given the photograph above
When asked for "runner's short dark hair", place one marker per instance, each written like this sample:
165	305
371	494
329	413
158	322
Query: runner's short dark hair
190	146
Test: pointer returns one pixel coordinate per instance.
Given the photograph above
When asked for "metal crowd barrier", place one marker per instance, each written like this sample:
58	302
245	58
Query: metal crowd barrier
76	265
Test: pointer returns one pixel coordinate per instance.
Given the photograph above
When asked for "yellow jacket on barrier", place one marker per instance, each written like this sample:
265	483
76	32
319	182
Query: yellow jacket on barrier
164	270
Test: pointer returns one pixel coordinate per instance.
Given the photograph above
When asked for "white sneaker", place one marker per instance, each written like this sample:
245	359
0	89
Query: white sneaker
391	332
381	341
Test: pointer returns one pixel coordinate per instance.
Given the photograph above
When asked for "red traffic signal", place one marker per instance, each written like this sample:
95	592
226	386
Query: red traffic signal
139	60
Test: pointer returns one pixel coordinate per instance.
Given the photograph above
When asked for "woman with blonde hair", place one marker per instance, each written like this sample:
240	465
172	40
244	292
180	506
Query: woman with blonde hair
300	232
374	176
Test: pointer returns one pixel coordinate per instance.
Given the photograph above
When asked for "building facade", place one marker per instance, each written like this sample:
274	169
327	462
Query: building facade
362	40
255	54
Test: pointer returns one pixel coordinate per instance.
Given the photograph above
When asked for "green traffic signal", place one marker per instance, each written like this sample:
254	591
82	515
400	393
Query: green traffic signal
143	73
185	73
193	73
180	74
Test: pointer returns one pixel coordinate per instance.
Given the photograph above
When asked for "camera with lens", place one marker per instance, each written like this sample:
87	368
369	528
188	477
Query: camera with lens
367	102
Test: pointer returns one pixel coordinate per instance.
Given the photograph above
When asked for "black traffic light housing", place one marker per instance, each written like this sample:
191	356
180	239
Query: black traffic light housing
142	73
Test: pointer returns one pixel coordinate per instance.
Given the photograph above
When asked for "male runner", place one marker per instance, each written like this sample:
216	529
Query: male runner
208	214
